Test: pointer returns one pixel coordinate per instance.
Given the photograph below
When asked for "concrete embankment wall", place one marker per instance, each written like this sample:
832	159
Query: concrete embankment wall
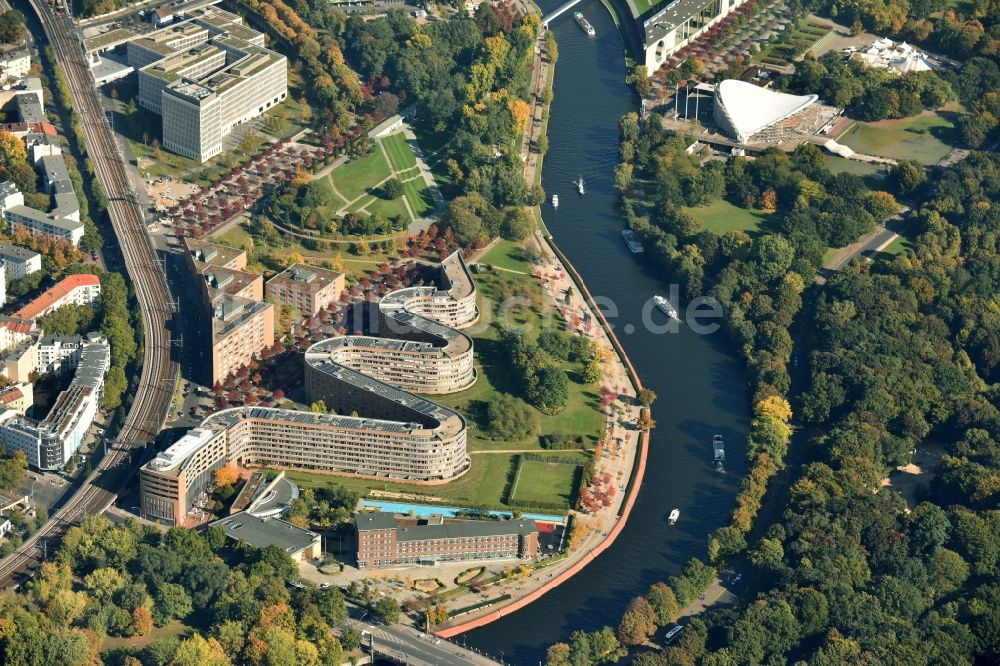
632	491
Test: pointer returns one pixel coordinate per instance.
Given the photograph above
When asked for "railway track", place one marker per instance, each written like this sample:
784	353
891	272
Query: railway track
158	372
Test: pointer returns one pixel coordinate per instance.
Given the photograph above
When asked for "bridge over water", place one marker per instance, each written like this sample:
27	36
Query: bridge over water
559	11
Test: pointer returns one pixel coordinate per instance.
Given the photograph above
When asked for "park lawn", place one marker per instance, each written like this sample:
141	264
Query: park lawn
548	481
419	196
175	628
580	417
235	236
390	209
921	141
508	255
329	193
400	153
793	43
643	6
360	175
360	203
898	246
721	216
482	485
838	164
356	266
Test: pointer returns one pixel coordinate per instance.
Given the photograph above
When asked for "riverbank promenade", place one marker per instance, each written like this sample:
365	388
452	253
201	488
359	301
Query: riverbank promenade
620	458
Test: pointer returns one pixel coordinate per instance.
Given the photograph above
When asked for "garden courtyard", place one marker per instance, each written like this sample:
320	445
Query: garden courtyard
358	185
507	472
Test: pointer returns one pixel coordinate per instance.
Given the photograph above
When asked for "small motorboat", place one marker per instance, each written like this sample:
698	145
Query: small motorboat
674	515
555	201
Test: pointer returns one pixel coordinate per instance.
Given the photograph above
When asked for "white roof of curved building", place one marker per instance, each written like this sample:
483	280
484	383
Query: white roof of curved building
745	109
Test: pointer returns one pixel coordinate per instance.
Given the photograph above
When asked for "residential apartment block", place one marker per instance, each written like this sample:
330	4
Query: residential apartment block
63	221
78	289
306	289
55	353
172	480
19	261
242	324
51	442
385	541
15	63
399	435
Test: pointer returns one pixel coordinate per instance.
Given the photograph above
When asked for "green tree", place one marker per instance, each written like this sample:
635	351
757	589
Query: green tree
170	602
387	609
392	189
509	418
548	389
661	598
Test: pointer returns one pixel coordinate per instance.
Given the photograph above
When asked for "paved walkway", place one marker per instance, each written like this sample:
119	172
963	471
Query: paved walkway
616	458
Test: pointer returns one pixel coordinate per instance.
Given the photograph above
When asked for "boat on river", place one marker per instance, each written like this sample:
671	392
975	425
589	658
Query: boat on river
584	23
674	516
555	201
719	448
633	242
720	454
666	307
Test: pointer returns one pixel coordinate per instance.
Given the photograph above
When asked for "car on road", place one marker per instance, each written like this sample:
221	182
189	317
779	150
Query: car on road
737	578
673	633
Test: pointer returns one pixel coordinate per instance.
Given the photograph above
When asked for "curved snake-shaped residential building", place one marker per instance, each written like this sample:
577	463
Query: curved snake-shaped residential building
392	433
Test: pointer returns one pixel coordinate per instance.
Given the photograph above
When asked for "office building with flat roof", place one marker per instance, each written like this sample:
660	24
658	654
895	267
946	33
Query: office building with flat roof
300	544
678	24
386	541
171	481
306	289
205	76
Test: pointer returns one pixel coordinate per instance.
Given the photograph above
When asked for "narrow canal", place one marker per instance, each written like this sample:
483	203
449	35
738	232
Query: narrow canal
700	382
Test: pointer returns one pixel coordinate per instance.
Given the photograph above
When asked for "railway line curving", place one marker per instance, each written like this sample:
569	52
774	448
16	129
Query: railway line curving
151	402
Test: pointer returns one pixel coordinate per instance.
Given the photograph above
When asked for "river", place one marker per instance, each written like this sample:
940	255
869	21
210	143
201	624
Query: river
700	382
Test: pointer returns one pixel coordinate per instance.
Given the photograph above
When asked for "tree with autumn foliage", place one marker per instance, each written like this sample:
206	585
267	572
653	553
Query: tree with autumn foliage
226	476
638	623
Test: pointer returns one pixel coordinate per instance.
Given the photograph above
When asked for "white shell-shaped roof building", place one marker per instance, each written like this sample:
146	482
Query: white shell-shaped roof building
743	109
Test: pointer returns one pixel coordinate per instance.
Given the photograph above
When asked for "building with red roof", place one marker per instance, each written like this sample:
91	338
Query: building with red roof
81	289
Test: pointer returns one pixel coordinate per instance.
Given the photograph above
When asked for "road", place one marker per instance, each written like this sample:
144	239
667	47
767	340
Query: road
158	371
867	244
409	646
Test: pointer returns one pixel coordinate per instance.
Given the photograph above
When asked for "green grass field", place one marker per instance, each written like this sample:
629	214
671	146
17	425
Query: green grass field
482	485
793	43
400	154
547	481
358	176
925	139
721	216
509	255
898	246
419	197
389	209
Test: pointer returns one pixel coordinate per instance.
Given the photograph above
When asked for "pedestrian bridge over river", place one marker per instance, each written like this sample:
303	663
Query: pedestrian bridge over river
559	11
